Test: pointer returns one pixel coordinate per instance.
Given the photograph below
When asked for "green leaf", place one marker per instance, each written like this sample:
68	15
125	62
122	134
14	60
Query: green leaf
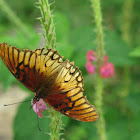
136	127
84	39
65	49
111	114
117	50
76	133
119	130
65	121
62	26
90	128
26	124
19	40
135	52
132	101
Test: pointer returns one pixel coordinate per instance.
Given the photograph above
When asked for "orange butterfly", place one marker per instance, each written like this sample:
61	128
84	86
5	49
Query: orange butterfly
56	82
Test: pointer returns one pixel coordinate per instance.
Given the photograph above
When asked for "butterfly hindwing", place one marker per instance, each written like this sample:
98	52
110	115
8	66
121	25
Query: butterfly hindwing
68	97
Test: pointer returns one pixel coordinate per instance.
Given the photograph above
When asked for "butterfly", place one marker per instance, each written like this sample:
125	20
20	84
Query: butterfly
55	81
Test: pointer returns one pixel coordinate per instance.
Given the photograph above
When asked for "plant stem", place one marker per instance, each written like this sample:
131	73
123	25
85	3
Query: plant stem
100	53
126	81
98	20
127	10
47	24
12	16
50	42
55	124
126	35
127	20
99	103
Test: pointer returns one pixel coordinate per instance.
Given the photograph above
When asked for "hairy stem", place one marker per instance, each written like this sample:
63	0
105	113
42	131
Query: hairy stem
126	35
47	24
100	53
50	42
55	124
98	20
99	104
127	11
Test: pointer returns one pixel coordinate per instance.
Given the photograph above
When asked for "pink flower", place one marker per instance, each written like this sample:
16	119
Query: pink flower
91	56
107	70
39	107
90	67
105	57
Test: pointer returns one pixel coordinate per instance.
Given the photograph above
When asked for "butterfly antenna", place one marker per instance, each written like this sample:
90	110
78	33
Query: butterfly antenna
31	106
38	120
16	103
38	123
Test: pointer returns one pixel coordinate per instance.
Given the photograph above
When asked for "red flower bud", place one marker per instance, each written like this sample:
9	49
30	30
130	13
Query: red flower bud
107	70
91	56
90	67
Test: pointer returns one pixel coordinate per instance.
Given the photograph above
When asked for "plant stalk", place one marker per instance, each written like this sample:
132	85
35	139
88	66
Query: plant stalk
127	11
100	53
50	42
99	105
47	24
55	124
100	37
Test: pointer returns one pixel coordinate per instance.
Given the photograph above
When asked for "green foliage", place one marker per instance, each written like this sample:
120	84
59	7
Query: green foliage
23	9
136	128
26	124
5	76
80	133
135	52
118	123
133	101
118	129
115	47
47	23
49	35
62	35
62	26
21	41
75	36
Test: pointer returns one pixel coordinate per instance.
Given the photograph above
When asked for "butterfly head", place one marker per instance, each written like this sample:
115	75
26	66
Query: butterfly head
35	99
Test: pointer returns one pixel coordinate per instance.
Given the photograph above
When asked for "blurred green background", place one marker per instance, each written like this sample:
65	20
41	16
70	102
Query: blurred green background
76	34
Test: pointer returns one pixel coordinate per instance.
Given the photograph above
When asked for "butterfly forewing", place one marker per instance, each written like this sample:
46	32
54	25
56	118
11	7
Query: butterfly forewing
29	67
57	82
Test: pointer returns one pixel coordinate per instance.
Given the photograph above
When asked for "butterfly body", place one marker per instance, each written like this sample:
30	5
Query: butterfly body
55	81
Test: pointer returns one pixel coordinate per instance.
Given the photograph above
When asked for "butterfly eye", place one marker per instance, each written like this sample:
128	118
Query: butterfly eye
36	99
